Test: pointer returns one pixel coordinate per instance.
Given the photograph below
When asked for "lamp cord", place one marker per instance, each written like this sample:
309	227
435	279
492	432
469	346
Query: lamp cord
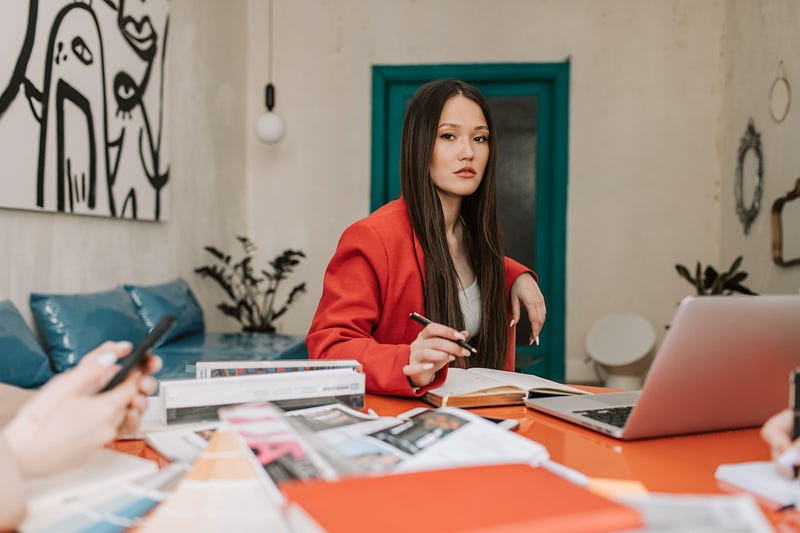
269	41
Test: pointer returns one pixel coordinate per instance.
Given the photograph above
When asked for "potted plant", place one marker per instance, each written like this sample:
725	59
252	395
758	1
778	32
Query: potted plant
252	295
709	281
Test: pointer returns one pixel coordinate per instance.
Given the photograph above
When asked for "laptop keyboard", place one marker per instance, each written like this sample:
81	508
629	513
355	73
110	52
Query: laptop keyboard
615	416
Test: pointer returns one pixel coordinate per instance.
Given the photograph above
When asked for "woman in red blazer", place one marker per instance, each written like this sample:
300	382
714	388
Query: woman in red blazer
436	251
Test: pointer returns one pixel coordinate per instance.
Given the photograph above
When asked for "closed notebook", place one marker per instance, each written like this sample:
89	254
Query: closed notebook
504	498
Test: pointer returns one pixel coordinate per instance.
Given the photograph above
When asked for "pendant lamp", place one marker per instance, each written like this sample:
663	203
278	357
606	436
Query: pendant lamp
270	127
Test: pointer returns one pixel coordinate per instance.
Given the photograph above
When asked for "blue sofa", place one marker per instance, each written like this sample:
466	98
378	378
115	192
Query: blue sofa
72	324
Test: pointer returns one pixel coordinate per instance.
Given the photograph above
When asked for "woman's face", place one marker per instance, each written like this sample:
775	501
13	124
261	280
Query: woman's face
461	150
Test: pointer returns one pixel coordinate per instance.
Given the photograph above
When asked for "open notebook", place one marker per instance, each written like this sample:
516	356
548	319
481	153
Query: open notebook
483	387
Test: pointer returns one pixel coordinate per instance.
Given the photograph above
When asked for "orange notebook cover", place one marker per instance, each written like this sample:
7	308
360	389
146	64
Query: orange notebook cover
498	498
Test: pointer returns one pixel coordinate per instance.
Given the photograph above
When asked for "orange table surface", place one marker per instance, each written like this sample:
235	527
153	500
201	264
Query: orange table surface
681	464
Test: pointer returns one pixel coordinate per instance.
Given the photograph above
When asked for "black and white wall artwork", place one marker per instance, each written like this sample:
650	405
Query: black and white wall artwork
82	107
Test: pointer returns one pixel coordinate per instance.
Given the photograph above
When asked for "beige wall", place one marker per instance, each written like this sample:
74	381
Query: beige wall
645	131
62	253
758	36
660	94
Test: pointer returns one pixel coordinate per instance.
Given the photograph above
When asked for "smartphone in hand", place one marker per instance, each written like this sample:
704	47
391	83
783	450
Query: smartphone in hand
137	355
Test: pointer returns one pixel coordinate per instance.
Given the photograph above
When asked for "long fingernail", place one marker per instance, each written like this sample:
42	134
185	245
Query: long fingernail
537	340
106	359
427	366
788	459
148	384
511	325
460	336
451	358
123	345
158	364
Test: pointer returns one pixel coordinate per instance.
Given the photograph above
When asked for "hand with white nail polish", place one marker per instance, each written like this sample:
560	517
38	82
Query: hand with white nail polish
525	293
777	432
67	419
433	349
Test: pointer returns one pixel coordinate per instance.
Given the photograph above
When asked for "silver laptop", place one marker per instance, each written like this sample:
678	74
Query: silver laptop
724	364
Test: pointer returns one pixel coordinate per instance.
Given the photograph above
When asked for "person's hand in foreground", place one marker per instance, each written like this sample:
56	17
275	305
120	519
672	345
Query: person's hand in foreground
777	432
67	419
525	293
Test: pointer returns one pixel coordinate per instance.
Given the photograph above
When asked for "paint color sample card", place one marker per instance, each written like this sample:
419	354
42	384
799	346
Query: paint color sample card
224	491
105	468
115	508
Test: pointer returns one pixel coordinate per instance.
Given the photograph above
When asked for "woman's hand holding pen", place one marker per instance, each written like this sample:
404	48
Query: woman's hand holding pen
777	432
525	292
433	349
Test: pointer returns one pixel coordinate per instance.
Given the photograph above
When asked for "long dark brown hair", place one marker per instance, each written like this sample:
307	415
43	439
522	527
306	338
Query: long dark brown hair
482	238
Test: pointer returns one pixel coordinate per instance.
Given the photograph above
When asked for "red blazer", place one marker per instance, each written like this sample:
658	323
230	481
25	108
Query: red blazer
372	283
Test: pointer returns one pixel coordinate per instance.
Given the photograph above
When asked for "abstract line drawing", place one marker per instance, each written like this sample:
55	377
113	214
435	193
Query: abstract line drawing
82	107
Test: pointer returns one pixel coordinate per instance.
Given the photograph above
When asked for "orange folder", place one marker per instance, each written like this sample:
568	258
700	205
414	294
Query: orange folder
498	498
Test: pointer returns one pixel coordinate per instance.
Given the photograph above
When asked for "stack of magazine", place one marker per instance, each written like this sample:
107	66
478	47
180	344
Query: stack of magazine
231	383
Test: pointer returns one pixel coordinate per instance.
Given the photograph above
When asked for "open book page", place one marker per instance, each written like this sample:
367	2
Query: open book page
340	434
693	512
524	381
441	438
460	381
339	421
450	437
762	479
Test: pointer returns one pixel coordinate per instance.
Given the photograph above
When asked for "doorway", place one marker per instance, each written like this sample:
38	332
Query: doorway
530	108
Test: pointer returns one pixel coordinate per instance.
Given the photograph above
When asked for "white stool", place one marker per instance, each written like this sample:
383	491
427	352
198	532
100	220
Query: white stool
619	344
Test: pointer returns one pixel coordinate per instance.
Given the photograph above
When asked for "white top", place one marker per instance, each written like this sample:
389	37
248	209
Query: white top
470	300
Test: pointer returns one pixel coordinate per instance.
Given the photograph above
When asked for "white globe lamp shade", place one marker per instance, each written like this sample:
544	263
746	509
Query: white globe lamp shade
270	127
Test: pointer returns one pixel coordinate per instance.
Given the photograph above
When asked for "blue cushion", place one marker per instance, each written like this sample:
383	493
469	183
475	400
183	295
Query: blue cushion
171	298
22	361
73	324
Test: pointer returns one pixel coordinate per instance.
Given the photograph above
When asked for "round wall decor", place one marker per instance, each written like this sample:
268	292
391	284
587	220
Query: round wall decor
780	96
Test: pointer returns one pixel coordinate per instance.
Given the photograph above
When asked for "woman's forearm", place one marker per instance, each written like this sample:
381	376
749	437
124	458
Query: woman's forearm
12	495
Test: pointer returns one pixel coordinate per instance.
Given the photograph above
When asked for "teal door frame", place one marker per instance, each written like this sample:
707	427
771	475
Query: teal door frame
393	86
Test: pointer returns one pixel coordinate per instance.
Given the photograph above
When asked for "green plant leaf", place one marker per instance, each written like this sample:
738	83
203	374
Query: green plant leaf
683	271
698	279
717	286
737	278
741	289
218	254
735	265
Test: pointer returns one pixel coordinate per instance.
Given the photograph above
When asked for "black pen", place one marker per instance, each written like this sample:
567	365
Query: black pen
795	403
416	317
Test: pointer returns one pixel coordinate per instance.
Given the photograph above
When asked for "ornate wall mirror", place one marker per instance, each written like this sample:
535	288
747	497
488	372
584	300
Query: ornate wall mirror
786	248
750	141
